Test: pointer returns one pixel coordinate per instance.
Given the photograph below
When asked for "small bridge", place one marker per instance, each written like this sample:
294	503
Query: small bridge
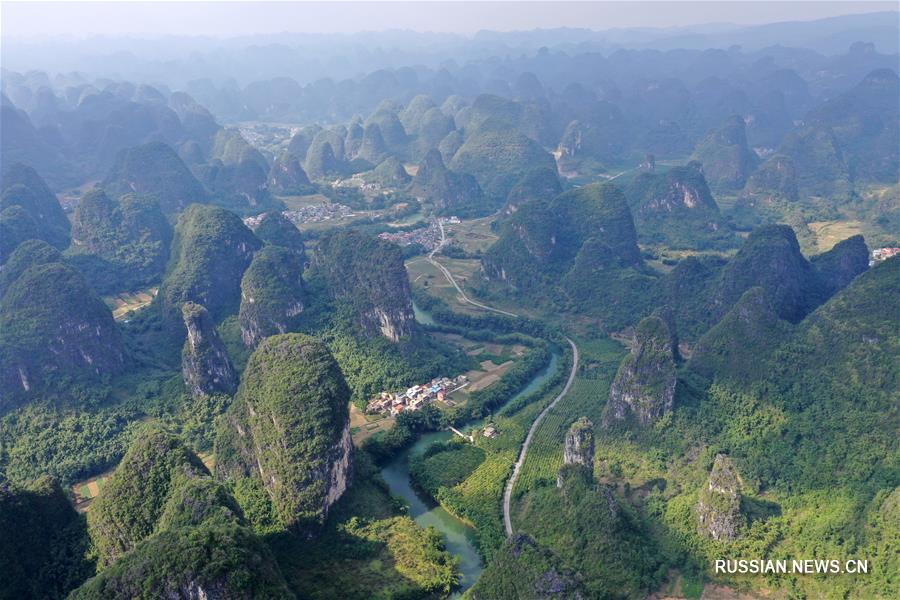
470	438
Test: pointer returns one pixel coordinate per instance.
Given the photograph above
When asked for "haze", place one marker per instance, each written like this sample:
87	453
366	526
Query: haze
83	19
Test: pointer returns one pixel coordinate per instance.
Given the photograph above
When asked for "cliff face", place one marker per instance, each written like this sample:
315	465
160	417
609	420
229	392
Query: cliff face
271	294
678	209
369	274
644	387
205	365
289	427
719	507
579	448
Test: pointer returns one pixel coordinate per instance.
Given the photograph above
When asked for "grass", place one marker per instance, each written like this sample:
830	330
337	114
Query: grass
829	233
600	359
125	304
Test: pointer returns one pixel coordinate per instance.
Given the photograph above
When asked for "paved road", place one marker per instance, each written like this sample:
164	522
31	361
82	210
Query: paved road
450	278
507	493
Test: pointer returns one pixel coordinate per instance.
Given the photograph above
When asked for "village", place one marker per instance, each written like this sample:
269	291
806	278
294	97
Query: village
416	397
428	237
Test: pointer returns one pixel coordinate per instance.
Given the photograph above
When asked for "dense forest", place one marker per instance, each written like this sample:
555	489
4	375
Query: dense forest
544	314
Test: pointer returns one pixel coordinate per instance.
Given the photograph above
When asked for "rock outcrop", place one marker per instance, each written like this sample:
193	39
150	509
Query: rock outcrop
205	366
579	448
644	387
272	294
676	208
719	508
369	274
289	427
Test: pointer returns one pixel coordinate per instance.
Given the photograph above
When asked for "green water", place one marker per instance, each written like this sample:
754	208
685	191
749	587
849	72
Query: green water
458	537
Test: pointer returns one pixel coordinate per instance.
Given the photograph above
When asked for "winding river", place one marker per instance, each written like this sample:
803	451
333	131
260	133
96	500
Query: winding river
458	536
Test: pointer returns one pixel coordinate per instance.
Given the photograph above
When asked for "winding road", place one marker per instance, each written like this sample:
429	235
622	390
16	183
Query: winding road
510	484
507	493
449	277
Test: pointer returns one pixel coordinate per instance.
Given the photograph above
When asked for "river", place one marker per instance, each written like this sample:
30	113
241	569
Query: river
458	536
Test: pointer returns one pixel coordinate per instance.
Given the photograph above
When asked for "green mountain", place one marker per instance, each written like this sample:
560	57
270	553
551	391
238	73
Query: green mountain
29	253
275	229
301	141
372	148
543	239
733	347
211	249
840	265
120	244
389	174
390	127
676	209
538	184
287	177
325	156
141	491
164	527
23	187
587	146
450	193
499	156
53	327
770	258
289	428
819	162
154	170
43	543
368	273
272	295
523	569
775	181
412	116
726	157
865	125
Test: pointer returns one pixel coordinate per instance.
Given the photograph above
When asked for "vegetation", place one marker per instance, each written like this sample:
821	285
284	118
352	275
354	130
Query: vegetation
120	245
154	170
42	550
289	426
210	252
271	294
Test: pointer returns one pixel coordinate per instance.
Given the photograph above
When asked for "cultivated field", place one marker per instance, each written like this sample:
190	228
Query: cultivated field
127	303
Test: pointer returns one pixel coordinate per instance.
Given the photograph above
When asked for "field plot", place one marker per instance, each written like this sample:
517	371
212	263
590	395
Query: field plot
586	399
127	303
472	235
829	233
363	426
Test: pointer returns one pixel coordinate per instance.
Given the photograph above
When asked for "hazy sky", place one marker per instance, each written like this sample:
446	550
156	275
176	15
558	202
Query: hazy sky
80	19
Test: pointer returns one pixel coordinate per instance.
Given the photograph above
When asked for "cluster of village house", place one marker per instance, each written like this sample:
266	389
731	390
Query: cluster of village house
429	237
417	396
880	254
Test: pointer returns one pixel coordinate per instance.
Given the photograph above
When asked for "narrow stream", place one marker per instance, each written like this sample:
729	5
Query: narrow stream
458	536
